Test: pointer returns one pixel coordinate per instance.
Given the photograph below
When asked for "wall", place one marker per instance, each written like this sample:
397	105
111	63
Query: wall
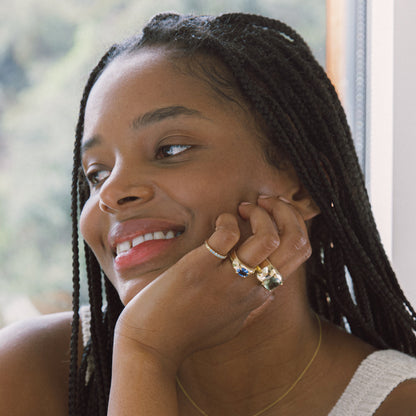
404	146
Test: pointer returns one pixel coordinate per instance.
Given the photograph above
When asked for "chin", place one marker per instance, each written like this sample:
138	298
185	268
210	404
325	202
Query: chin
128	290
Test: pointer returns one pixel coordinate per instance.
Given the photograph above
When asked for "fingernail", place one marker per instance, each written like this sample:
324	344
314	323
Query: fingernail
245	203
284	199
264	196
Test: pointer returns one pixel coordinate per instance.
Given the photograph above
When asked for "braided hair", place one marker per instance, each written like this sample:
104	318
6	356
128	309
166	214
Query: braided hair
270	67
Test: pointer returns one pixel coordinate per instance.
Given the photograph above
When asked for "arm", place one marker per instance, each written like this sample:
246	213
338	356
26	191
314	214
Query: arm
151	389
196	304
33	366
149	350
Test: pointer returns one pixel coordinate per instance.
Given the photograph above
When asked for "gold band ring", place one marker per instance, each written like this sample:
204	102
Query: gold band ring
268	276
239	267
212	251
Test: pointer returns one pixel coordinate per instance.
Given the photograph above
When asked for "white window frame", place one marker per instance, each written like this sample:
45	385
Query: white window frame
389	135
380	101
360	64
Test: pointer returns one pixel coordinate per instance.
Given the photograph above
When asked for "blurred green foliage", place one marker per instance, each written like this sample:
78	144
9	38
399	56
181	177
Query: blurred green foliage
47	49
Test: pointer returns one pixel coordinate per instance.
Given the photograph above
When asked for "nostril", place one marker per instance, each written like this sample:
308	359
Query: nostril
105	208
127	199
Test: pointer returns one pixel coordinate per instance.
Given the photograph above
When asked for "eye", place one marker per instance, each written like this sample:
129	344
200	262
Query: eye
171	150
97	176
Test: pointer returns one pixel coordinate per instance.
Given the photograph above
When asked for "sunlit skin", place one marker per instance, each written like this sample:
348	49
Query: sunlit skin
219	165
164	153
162	150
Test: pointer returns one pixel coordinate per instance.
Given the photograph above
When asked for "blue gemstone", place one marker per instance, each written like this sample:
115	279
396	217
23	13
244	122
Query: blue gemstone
243	272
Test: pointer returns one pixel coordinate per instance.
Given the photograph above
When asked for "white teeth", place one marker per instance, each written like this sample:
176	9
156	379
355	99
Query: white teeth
138	240
169	235
148	236
124	246
157	235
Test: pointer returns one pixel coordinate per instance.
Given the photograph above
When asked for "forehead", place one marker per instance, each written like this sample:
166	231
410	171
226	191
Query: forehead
136	85
149	78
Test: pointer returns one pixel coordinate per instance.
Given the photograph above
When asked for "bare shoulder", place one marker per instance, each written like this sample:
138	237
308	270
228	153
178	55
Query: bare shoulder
401	401
34	363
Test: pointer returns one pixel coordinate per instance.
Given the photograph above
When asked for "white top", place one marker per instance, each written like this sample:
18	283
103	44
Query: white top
377	376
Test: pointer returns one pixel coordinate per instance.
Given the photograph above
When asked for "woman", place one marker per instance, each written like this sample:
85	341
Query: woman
212	163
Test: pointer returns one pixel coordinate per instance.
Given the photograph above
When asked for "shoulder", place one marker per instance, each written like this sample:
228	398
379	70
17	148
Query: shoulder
402	398
34	363
385	383
379	382
401	401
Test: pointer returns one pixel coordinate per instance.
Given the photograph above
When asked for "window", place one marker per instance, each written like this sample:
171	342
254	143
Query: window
45	57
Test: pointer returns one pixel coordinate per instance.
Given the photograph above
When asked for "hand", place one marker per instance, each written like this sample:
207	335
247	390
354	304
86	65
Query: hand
294	247
200	301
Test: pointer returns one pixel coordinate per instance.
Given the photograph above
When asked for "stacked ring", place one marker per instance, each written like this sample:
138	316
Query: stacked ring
212	251
266	273
268	276
239	267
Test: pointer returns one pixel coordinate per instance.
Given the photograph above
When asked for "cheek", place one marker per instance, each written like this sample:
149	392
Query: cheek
211	193
215	194
89	224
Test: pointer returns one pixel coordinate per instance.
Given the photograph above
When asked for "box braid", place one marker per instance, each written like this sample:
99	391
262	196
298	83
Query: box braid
271	70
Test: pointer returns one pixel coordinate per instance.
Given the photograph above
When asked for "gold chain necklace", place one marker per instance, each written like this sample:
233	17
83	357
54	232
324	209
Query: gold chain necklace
282	396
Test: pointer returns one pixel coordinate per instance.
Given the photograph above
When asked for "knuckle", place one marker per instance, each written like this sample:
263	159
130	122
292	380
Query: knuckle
301	243
230	236
308	251
303	247
270	242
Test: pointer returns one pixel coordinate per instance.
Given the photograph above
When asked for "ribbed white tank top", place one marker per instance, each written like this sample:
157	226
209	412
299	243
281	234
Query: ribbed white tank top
379	374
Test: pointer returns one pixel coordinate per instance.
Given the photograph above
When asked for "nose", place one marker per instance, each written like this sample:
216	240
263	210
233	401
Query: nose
123	190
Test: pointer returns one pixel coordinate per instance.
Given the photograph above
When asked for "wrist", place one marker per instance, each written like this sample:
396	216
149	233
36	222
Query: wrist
140	377
131	353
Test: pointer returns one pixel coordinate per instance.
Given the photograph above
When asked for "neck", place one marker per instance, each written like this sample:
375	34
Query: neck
261	363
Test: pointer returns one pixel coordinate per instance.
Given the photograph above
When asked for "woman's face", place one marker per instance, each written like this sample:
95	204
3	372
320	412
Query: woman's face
164	156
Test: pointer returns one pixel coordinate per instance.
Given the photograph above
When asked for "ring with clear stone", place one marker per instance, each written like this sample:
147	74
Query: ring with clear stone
268	275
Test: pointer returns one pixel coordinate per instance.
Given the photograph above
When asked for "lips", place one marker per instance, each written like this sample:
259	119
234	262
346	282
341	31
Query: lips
137	241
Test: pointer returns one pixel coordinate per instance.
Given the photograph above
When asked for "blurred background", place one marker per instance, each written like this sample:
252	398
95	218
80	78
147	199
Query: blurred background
47	49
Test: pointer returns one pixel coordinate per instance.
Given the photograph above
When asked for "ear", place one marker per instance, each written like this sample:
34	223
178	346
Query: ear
297	195
303	202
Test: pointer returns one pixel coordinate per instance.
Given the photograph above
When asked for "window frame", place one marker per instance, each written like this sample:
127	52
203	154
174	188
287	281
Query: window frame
360	60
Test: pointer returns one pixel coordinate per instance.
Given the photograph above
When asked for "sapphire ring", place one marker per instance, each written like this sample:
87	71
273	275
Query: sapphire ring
239	267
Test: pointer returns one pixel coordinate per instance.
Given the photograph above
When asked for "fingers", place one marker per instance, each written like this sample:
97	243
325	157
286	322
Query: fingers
225	236
265	239
279	234
294	248
222	241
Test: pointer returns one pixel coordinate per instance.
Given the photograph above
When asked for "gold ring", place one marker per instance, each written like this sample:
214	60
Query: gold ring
239	267
212	251
268	276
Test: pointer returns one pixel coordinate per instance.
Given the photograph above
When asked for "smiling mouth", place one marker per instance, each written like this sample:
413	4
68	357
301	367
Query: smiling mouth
125	246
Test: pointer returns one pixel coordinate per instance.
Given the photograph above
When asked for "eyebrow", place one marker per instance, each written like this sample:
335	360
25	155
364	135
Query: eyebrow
150	117
161	114
89	143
